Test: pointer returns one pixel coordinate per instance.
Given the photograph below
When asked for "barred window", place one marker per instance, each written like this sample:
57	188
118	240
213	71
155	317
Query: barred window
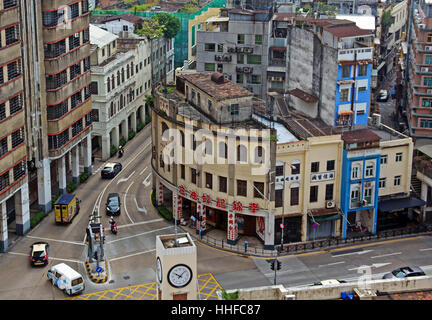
77	127
14	69
74	10
2	111
3	146
87	92
53	18
12	35
4	180
85	6
9	3
76	99
19	170
95	115
54	50
57	141
17	137
86	64
57	111
15	104
74	41
1	75
55	81
88	119
86	35
75	70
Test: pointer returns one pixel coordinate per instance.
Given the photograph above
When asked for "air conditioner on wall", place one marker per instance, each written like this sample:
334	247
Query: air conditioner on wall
364	202
429	91
422	26
330	204
428	48
230	49
424	69
278	79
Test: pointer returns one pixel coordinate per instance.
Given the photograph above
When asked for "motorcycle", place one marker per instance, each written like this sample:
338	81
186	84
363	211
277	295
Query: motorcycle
113	227
120	153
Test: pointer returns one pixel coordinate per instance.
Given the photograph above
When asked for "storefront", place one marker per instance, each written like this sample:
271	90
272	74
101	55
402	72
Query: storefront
397	213
323	223
292	226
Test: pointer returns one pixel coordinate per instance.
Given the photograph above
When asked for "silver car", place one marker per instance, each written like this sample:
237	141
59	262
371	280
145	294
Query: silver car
404	272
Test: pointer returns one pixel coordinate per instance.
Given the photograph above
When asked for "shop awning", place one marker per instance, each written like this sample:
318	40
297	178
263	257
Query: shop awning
321	215
398	204
325	218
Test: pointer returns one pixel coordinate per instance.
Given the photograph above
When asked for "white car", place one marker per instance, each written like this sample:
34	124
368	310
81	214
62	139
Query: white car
383	96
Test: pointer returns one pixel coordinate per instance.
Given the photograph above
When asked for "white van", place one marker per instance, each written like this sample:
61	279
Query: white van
66	278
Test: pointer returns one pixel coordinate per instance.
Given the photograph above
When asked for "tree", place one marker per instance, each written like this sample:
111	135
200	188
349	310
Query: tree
171	24
151	28
130	3
387	19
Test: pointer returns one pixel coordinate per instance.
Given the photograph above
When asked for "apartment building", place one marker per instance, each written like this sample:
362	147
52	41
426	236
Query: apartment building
14	190
420	73
121	78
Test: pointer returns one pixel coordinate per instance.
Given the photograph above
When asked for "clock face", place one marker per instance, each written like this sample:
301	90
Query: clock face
159	269
179	276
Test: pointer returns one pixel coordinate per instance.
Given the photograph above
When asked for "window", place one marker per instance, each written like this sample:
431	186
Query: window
2	111
209	67
242	188
3	146
17	137
368	195
208	147
330	165
355	196
362	70
383	159
234	108
239	78
253	59
58	110
255	79
398	157
258	189
241	153
313	195
95	115
4	180
259	155
193	175
397	180
209	47
12	34
19	170
344	95
355	173
240	38
209	180
258	39
362	89
182	171
428	60
94	87
220	48
427	81
222	184
240	58
382	183
223	152
278	198
370	169
426	103
314	166
329	191
294	201
345	71
279	171
15	104
429	37
425	123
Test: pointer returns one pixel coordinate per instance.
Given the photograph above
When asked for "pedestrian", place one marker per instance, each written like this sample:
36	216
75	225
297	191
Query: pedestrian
193	220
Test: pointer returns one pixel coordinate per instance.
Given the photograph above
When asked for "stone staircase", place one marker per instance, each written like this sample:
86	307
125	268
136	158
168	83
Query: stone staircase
415	185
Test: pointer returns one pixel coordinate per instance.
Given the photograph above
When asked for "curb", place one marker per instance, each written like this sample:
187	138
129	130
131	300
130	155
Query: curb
94	279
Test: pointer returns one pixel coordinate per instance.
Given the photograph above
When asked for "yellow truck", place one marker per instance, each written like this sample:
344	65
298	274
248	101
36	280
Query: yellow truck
66	208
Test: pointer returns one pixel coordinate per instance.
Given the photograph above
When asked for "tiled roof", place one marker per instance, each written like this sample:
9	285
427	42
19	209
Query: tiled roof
128	17
219	91
306	97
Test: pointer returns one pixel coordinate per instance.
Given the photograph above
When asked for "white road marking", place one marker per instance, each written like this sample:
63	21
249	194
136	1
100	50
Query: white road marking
131	255
330	264
350	253
140	223
143	171
137	235
124	202
56	240
145	182
125	179
51	258
375	265
425	249
143	209
386	255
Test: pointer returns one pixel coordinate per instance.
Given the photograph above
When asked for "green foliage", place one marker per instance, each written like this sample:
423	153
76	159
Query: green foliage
151	28
189	8
387	19
164	212
170	23
148	119
84	176
71	187
38	217
230	296
142	7
131	134
149	100
130	3
273	138
122	142
140	126
55	198
113	150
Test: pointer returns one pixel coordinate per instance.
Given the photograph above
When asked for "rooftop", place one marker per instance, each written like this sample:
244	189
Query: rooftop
360	136
128	17
222	90
100	37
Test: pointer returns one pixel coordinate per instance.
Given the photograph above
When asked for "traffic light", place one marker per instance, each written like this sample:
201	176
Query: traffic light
272	265
278	265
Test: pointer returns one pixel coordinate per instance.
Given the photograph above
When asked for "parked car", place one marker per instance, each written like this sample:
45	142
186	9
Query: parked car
383	96
404	272
111	170
39	253
113	204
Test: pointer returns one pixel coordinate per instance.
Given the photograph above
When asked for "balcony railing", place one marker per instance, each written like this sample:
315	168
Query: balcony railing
277	62
361	54
424	165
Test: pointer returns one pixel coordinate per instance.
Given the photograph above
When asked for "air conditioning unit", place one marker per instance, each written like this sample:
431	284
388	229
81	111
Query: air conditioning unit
424	69
429	91
227	58
230	49
248	50
428	48
364	202
239	69
77	35
218	58
247	70
422	26
278	79
330	204
240	50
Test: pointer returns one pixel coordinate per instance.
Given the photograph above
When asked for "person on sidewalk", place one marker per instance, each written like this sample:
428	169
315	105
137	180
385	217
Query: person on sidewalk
193	219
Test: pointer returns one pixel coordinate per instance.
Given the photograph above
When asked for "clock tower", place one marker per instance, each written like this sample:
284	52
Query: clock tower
176	267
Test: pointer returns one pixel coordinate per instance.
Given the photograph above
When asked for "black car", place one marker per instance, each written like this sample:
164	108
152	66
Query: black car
405	272
39	253
113	204
111	170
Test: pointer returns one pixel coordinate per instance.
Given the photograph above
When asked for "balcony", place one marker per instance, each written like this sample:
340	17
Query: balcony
277	62
423	164
223	58
355	53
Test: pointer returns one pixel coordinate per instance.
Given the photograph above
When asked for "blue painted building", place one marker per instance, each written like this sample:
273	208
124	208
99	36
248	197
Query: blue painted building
353	91
360	181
